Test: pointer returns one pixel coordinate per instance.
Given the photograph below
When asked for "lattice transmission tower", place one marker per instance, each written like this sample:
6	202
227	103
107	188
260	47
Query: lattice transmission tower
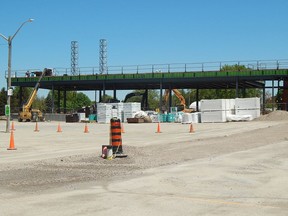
74	57
103	69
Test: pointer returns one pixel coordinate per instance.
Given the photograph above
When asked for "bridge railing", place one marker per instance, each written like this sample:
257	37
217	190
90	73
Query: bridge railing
164	68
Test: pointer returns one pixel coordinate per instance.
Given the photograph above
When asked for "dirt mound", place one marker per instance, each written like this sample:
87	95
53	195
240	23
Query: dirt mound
274	116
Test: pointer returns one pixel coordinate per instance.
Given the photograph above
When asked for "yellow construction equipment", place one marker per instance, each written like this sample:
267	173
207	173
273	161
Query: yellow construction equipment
27	113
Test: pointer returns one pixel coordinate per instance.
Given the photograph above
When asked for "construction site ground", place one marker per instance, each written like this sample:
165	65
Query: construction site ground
234	168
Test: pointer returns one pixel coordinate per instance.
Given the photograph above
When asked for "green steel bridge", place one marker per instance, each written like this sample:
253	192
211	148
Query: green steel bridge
209	75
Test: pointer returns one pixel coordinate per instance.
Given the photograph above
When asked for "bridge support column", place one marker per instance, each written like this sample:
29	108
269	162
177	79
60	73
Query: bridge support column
65	99
197	100
170	98
58	101
273	95
100	96
237	88
263	100
20	96
53	96
145	102
114	94
161	96
95	97
104	91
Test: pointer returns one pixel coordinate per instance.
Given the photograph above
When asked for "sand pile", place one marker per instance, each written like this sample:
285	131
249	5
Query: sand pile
274	116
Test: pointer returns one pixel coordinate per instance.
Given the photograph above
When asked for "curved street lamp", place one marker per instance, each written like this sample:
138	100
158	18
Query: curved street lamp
9	94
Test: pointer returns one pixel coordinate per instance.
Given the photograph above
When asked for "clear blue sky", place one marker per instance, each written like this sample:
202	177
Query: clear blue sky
142	31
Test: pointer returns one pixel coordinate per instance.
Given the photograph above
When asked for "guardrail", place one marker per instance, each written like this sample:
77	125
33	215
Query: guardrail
165	68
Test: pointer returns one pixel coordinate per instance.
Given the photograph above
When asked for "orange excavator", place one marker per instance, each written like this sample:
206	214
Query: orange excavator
182	106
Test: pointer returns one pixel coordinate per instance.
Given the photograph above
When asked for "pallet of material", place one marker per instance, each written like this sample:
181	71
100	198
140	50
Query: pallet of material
135	120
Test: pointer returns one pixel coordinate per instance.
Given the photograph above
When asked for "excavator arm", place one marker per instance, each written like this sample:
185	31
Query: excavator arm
179	96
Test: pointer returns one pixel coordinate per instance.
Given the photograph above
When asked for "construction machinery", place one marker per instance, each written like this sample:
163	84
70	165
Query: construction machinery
27	113
182	106
144	95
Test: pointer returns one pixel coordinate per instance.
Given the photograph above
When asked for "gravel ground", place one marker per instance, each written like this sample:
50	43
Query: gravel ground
45	174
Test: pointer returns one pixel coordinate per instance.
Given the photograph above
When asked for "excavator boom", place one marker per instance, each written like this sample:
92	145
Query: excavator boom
179	96
27	113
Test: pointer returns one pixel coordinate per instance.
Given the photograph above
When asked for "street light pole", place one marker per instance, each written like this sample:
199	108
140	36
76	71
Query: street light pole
9	40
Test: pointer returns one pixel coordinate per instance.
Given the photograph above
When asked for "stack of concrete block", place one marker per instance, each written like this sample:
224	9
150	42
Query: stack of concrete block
219	110
196	117
247	106
117	110
104	113
216	110
186	118
130	109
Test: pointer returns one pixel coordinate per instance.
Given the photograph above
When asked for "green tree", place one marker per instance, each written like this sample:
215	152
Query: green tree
153	99
235	67
16	99
74	101
3	101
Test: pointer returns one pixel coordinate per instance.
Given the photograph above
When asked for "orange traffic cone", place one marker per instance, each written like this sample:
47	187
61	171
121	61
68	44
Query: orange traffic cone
122	128
12	126
158	128
59	129
12	147
86	129
36	127
191	128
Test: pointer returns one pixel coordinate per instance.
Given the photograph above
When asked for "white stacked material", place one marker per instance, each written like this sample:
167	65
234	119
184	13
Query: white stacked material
104	113
114	113
248	106
239	117
81	116
216	110
130	109
117	110
196	117
178	117
186	118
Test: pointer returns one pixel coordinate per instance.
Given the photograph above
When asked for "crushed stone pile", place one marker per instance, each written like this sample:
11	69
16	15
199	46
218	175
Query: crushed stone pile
274	116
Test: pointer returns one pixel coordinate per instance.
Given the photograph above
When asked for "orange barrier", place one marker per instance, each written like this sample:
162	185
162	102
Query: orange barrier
59	129
115	136
86	129
12	146
158	128
36	127
191	130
